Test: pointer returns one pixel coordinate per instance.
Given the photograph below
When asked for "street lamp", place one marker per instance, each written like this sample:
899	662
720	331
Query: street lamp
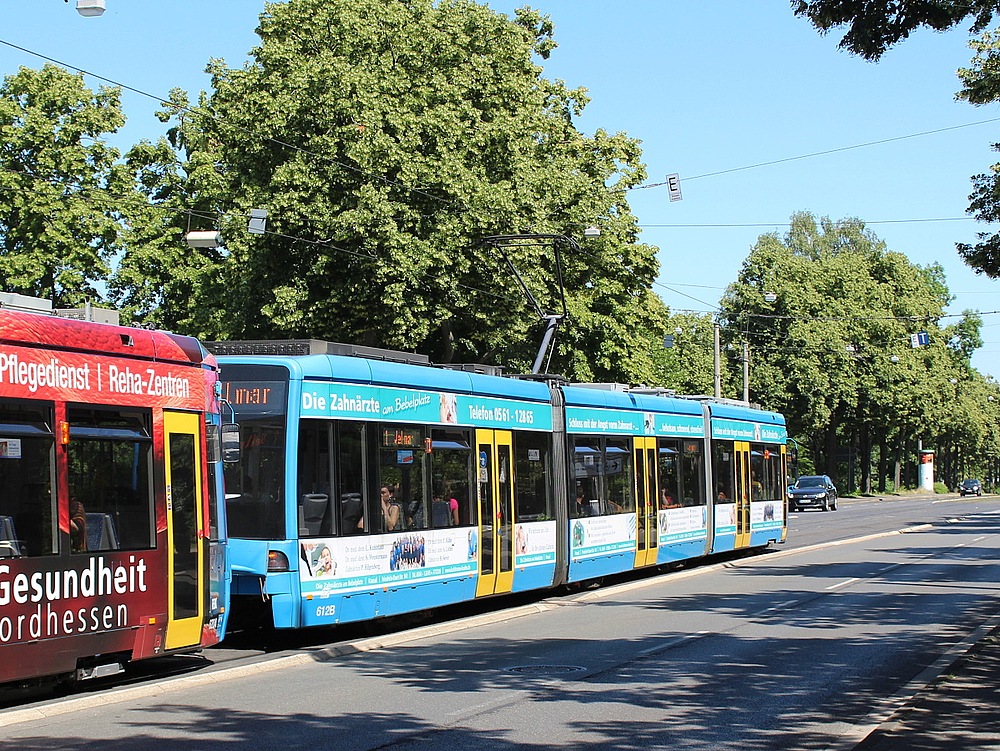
203	238
90	8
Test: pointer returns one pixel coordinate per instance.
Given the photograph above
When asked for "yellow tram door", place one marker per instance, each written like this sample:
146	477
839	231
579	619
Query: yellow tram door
646	493
495	495
782	484
741	449
185	519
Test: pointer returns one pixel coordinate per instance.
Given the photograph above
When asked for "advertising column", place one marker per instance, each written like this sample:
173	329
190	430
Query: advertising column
925	475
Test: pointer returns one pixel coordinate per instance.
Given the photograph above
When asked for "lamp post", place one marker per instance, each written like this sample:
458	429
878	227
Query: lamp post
90	8
203	238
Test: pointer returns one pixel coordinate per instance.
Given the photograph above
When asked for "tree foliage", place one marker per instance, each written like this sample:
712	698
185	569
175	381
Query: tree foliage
833	350
62	191
689	365
159	280
981	85
386	140
874	27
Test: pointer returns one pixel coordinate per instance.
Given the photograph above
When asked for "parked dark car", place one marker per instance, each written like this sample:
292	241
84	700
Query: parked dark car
813	491
970	487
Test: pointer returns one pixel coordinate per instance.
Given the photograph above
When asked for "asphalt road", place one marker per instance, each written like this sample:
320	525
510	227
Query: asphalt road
802	647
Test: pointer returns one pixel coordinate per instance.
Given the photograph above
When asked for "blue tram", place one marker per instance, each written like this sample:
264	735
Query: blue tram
372	483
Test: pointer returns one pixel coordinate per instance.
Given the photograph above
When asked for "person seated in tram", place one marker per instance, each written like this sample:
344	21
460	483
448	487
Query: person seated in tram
390	509
77	526
667	500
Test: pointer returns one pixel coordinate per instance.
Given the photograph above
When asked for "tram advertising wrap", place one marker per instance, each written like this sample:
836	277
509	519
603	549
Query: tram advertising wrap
111	545
374	486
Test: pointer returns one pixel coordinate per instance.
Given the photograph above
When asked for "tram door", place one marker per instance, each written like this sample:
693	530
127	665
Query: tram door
646	493
185	521
741	449
495	495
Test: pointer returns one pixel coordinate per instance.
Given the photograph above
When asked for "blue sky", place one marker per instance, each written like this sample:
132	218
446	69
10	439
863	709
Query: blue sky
708	87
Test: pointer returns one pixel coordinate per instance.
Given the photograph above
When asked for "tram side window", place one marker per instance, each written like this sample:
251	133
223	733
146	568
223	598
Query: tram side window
315	511
723	471
765	466
756	472
588	472
693	474
533	476
669	461
618	476
28	519
451	477
602	469
401	456
351	477
110	455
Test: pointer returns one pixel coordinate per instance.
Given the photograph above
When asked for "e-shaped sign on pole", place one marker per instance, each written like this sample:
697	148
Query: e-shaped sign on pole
674	186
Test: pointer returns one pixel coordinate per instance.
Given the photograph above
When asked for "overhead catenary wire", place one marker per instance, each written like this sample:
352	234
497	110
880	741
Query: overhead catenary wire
448	202
717	225
825	152
463	209
96	193
276	141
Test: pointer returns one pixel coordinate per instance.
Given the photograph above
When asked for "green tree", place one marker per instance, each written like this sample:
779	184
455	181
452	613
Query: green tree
875	27
832	350
159	279
689	365
385	140
981	85
61	186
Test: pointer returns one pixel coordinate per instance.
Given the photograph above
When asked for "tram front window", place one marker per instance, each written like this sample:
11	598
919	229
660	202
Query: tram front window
254	508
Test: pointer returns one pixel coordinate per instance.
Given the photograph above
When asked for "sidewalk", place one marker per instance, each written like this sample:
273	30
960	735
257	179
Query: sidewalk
960	710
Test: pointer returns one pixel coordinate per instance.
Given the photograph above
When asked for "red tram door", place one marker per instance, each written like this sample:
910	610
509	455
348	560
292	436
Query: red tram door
646	493
741	451
495	496
183	462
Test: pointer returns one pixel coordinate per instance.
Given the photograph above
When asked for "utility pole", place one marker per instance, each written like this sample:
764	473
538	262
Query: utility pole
746	372
718	361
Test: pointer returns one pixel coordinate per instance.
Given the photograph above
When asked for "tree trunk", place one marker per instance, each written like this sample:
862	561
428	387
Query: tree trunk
865	458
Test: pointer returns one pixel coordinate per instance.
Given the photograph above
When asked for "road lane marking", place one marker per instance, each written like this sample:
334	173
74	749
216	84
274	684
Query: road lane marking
844	583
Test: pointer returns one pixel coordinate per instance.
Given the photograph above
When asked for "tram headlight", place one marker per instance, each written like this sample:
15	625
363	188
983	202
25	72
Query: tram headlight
276	561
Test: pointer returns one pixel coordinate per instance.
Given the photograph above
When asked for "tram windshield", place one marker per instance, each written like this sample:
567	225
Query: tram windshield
254	485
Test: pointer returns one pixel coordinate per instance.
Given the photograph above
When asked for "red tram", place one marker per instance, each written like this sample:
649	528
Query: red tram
112	546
